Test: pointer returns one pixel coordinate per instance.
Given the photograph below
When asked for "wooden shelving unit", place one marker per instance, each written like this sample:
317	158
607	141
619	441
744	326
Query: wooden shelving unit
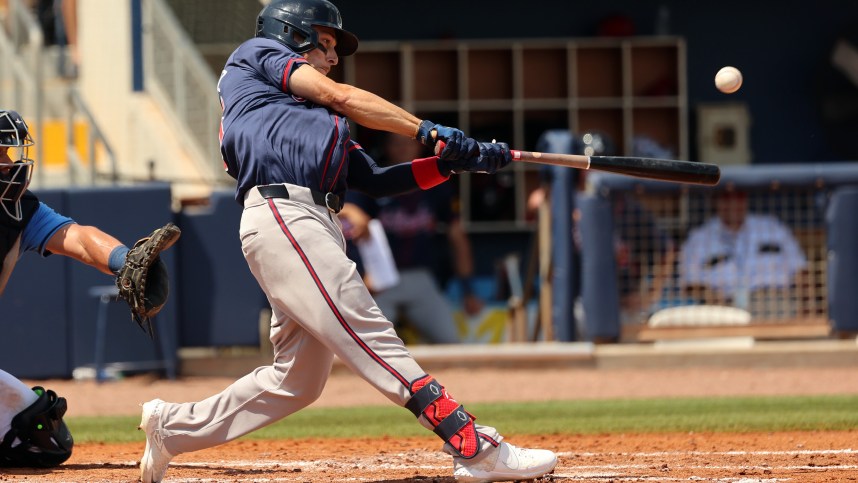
514	90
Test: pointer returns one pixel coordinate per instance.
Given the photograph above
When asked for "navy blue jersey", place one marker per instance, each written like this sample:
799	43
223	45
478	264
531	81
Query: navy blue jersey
269	135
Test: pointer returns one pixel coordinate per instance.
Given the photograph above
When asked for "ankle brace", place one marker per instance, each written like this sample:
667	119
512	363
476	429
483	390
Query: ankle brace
449	419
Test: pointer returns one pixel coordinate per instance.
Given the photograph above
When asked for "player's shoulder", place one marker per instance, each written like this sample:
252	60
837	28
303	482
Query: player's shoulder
258	45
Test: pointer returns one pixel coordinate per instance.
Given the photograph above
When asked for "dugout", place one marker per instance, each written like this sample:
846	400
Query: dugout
651	218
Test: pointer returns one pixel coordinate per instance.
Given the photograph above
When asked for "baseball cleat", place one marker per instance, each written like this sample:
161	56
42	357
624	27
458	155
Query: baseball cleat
155	459
506	463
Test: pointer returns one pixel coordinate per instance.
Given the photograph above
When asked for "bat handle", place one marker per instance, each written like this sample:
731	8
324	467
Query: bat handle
439	146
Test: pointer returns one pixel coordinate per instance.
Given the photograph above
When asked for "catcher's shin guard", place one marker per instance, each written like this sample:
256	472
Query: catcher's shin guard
44	440
448	418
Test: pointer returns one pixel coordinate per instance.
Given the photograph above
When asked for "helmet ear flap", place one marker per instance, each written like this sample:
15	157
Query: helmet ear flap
282	20
295	37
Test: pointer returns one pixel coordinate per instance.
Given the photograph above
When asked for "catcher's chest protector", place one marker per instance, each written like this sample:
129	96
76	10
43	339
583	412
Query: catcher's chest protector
10	229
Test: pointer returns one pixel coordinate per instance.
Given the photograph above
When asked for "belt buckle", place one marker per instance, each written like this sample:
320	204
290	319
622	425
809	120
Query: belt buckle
332	201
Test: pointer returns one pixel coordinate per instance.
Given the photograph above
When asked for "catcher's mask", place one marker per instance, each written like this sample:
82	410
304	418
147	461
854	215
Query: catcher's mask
16	167
291	22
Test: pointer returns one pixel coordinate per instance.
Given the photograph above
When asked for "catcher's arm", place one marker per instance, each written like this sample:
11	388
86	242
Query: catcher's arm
143	281
86	244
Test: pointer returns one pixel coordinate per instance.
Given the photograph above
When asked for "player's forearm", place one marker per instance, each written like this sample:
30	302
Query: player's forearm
374	112
86	244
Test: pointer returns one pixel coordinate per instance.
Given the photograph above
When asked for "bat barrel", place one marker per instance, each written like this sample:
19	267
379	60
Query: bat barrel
659	169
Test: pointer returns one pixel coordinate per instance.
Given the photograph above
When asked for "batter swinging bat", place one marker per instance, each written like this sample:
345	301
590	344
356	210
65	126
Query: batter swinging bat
659	169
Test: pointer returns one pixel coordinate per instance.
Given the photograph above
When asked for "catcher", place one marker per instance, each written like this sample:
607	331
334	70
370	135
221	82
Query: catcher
32	432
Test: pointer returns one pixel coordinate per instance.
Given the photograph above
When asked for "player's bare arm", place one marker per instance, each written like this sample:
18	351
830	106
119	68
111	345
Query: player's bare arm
86	244
365	108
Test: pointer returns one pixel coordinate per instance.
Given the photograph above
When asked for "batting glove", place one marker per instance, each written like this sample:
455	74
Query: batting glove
490	158
457	144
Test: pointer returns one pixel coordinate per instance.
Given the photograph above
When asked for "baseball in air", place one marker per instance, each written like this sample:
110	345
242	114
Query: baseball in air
728	80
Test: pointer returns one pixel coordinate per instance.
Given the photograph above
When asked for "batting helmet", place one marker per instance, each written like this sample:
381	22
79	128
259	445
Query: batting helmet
291	22
16	167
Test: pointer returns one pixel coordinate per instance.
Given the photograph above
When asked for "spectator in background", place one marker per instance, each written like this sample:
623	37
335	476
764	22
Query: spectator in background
58	19
66	12
411	222
741	259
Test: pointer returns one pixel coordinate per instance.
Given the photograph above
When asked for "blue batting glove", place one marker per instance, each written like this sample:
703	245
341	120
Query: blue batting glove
457	145
490	158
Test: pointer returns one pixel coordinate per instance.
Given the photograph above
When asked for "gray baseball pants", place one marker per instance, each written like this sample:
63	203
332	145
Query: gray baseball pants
320	308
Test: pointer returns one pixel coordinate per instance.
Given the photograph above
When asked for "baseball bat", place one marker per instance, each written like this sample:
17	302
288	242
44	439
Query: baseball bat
649	168
677	171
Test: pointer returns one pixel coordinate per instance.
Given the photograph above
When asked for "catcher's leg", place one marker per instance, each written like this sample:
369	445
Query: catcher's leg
38	437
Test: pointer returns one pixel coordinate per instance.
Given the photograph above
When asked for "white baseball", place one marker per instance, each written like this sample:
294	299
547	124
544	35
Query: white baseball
728	80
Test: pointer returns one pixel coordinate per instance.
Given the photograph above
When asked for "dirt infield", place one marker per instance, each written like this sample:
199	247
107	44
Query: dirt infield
794	456
799	457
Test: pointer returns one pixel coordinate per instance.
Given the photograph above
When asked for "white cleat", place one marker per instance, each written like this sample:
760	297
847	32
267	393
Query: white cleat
506	463
155	459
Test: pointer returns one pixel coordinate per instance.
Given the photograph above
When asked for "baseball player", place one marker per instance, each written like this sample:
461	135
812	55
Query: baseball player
32	431
285	139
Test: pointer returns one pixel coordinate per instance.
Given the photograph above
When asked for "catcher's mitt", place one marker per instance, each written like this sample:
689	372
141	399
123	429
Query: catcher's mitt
143	280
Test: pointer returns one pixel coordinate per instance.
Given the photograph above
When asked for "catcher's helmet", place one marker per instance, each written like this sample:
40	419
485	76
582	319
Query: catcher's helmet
16	167
291	22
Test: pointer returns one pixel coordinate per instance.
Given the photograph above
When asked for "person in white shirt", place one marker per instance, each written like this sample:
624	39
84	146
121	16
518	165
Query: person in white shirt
737	255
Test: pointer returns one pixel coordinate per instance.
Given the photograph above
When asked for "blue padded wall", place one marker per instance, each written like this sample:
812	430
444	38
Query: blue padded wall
843	259
127	213
600	295
221	300
35	324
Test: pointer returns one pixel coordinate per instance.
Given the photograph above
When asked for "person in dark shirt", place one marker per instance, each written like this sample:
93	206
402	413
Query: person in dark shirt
412	222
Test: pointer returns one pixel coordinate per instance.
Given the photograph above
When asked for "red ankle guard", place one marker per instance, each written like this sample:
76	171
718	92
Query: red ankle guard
449	419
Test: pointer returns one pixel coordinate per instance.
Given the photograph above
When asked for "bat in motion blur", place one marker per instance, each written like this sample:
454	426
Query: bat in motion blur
659	169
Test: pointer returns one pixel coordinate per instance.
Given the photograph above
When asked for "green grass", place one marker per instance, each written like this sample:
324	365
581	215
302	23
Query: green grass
748	414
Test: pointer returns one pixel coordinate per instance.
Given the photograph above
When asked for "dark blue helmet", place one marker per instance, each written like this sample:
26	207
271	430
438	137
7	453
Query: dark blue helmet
16	167
291	22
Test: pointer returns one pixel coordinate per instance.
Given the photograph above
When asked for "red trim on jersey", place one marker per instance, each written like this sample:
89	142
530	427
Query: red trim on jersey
426	172
340	168
284	85
330	152
330	301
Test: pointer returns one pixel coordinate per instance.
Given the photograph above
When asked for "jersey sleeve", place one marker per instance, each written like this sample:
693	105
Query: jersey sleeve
274	62
42	227
366	176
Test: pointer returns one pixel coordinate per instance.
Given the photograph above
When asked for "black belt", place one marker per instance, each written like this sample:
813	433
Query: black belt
328	200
